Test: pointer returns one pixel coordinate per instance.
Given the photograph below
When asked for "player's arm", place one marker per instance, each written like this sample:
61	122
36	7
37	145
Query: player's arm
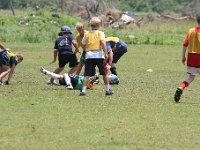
103	46
75	46
83	43
110	57
55	53
185	44
2	47
184	54
3	74
10	73
110	53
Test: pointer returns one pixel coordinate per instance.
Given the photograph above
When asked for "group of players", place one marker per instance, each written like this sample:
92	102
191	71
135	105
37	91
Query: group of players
97	50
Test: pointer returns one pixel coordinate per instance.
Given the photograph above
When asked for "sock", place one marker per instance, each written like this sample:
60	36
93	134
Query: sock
184	85
67	80
113	70
84	89
107	87
53	75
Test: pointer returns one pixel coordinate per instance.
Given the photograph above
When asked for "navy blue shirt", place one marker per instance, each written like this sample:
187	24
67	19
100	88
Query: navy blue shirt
63	44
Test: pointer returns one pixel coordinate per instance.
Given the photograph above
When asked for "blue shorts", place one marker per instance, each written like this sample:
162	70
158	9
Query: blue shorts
4	60
120	51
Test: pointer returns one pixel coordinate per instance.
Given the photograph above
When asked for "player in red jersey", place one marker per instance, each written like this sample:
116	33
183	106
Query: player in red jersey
192	58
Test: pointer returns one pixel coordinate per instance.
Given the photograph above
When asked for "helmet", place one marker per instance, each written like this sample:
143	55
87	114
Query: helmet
113	79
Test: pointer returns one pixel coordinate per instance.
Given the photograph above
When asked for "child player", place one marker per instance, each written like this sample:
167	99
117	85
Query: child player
70	81
95	48
8	62
63	49
192	44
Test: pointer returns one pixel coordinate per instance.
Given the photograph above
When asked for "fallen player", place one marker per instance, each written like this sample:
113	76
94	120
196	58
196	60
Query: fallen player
70	81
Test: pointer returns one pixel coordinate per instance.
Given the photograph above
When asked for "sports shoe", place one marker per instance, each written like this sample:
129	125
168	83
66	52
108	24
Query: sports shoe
82	94
1	83
70	87
96	80
178	94
110	92
50	82
42	70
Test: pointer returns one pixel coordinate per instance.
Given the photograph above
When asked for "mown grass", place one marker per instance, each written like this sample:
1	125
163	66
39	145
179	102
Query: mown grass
140	115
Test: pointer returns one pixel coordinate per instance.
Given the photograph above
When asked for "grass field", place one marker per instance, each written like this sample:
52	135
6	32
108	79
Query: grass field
141	115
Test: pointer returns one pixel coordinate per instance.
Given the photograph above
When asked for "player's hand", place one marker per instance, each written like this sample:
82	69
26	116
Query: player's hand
184	60
52	62
106	57
108	67
77	52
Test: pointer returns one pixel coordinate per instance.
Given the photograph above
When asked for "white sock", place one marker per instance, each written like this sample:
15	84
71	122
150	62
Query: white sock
67	79
107	87
84	89
53	75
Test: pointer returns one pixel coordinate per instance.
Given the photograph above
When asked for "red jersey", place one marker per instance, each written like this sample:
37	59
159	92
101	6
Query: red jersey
192	41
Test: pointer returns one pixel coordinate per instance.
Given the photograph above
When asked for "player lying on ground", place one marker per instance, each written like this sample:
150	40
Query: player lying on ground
70	81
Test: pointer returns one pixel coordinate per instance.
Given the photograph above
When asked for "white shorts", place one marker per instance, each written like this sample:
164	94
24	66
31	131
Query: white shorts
193	70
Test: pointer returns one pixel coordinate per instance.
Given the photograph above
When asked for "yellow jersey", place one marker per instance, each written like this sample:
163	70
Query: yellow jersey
93	40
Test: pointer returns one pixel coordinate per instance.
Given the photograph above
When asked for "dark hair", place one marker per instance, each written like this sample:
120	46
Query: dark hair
198	18
60	34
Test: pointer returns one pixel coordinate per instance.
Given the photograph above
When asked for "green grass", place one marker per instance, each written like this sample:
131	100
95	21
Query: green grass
42	27
141	115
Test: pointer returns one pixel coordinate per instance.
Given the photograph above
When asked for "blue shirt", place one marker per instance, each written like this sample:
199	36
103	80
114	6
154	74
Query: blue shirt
63	44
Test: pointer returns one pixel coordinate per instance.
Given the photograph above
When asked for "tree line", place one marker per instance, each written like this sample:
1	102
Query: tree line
125	5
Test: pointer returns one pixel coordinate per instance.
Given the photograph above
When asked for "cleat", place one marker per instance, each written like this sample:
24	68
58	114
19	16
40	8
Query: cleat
96	80
110	92
1	83
42	70
50	82
82	94
70	87
178	94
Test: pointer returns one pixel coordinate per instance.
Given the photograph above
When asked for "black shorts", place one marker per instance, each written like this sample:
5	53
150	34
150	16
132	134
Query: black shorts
74	81
63	59
90	65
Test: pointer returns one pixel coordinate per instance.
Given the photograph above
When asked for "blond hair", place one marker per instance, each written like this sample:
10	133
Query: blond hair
19	56
95	22
79	25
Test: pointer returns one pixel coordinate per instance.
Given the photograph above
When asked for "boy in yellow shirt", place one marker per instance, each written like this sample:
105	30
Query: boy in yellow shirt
79	37
96	55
